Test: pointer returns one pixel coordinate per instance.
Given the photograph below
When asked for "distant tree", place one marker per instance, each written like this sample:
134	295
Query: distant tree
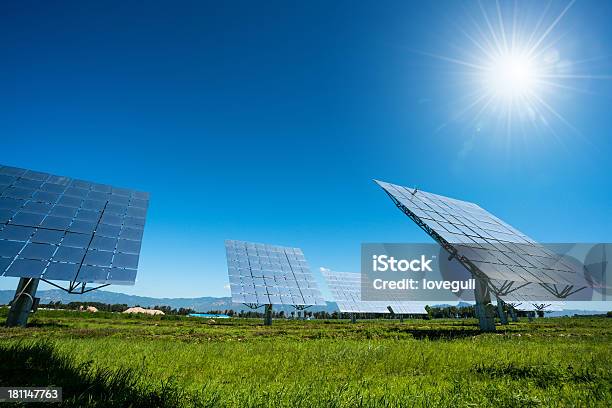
322	315
185	311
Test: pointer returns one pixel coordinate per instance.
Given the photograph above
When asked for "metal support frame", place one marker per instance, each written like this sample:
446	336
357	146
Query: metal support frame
267	312
513	314
301	308
24	299
393	314
75	287
268	315
503	318
22	303
565	291
486	321
541	307
558	291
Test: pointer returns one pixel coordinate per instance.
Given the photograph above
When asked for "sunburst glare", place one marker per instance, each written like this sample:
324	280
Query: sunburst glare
511	77
512	69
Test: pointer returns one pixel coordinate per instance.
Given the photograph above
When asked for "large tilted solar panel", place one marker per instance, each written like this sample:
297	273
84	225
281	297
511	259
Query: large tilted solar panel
59	228
497	249
345	288
263	274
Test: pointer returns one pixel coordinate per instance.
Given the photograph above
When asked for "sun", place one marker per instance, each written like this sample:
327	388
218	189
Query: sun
511	77
512	69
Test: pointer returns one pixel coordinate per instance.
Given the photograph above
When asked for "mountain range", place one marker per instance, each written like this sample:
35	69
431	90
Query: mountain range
200	304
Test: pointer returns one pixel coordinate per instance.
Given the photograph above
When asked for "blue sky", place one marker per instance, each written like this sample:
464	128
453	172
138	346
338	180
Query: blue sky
268	122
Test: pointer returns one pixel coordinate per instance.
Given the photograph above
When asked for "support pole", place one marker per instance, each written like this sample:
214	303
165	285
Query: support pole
503	318
353	318
513	314
483	298
530	315
268	316
22	302
401	316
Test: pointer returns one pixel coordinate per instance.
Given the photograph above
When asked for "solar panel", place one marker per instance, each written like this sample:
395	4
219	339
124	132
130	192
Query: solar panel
491	247
345	288
263	274
59	228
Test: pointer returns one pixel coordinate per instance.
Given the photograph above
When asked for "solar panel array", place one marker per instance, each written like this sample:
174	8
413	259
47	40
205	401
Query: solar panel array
498	250
264	274
58	228
345	288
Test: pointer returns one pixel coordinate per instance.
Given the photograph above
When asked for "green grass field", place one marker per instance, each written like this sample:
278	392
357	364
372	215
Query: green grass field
146	361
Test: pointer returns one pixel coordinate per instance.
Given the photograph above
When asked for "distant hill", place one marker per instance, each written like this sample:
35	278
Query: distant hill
200	304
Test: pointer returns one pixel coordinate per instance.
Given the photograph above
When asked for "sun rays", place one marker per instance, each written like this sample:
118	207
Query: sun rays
511	67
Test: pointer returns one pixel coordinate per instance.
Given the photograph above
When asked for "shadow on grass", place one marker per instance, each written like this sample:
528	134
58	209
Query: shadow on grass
449	334
39	325
38	365
545	376
443	334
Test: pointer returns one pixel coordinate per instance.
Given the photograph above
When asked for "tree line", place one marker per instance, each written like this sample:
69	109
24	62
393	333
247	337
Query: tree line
433	312
106	307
